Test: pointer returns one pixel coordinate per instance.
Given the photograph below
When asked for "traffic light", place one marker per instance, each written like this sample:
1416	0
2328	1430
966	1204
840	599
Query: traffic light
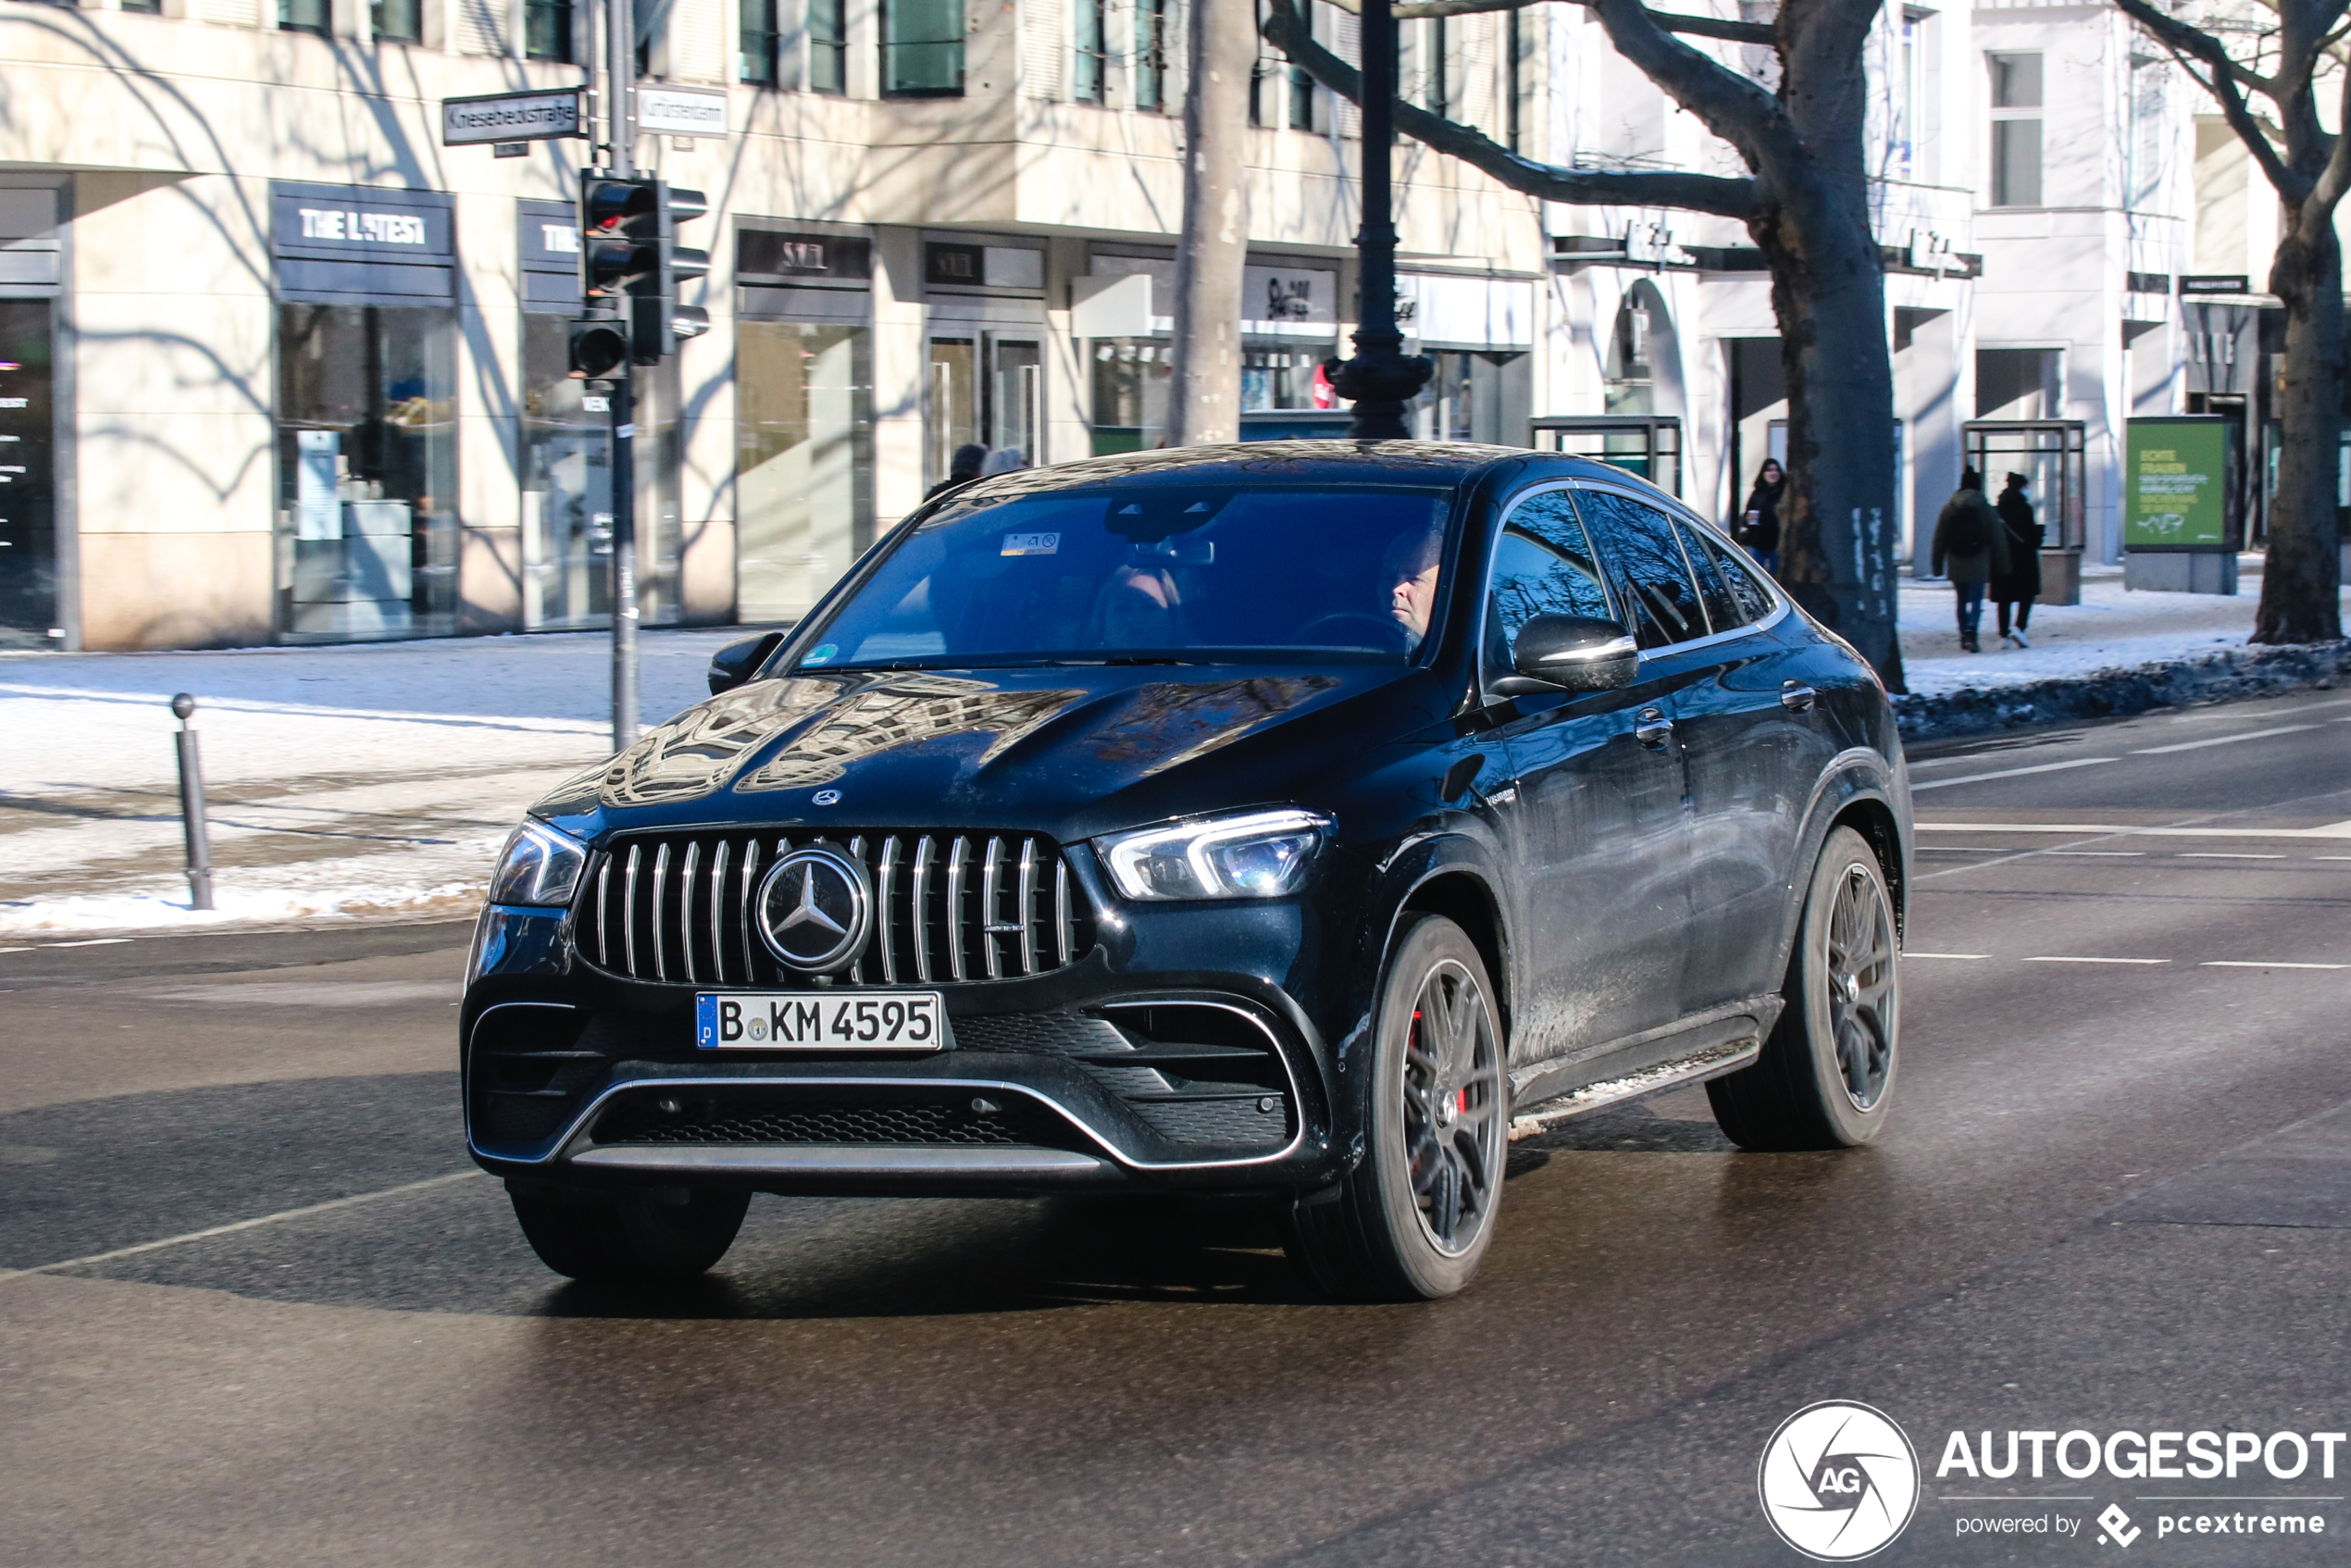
599	346
657	321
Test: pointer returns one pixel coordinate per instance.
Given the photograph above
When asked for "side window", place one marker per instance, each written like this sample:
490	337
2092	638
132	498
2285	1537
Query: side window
1543	565
1754	599
1723	609
1648	567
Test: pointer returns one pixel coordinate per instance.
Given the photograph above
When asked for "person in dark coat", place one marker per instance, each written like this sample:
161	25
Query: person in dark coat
2020	584
1970	547
962	469
1759	521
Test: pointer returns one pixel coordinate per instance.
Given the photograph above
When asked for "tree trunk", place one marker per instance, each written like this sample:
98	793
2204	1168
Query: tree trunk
1204	402
2301	581
1840	521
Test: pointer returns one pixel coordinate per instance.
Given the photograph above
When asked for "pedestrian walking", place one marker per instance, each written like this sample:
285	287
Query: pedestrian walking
1971	548
2020	584
962	469
1758	527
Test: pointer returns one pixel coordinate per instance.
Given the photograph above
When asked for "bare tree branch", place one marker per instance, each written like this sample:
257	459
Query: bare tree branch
2226	81
2182	38
1739	110
1286	29
2336	178
1672	22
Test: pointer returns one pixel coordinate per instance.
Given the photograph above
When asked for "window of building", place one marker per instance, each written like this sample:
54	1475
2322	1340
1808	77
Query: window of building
150	8
367	467
546	28
756	38
303	16
397	21
1130	384
1091	67
1902	88
2016	130
2020	383
1516	50
828	47
2150	130
1151	54
1264	103
923	48
1444	70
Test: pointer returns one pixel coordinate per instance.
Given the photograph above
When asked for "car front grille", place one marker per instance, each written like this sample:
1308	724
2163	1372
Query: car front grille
760	1118
947	907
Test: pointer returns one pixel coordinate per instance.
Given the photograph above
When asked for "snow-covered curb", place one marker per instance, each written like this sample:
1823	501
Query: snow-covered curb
2117	693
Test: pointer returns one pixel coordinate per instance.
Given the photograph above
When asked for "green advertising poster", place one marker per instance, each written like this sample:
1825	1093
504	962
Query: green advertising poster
2177	480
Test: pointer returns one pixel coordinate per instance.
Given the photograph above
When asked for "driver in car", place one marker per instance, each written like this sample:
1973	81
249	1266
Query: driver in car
1410	571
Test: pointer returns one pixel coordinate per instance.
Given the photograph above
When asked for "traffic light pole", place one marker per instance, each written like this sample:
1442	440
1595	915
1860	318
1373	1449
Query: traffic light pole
620	74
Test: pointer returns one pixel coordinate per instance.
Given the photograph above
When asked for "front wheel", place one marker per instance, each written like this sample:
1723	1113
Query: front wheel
629	1238
1825	1076
1413	1220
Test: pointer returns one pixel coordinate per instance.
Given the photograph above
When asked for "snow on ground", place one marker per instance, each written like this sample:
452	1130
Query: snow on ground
378	781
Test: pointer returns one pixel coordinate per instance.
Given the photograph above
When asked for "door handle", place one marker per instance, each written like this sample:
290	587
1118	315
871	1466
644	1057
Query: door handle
1652	729
1796	697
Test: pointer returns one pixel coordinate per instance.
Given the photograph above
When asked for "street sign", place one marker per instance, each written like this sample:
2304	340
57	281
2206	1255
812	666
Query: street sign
511	116
2178	473
2215	283
681	111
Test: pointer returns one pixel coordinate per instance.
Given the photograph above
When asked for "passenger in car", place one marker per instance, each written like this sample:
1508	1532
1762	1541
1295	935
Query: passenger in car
1410	571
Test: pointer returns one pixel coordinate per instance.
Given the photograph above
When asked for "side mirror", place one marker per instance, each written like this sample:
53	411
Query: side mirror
733	665
1572	654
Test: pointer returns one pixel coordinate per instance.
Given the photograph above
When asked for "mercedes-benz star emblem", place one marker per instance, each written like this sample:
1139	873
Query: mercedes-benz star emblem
813	911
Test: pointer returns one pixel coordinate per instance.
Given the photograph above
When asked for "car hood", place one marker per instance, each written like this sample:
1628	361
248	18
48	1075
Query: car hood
1070	751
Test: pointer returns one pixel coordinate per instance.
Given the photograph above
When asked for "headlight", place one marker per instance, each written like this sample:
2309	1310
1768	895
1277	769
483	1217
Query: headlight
1260	855
539	867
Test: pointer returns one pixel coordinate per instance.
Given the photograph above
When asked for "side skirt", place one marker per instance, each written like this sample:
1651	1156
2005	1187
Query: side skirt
1690	1052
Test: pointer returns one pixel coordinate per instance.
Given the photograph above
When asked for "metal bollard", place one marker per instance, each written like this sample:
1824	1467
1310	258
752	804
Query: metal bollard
191	806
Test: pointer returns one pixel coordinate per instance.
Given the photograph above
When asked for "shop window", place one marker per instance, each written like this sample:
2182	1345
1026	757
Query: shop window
757	41
546	28
923	48
1151	54
1090	75
146	8
1129	397
2016	130
1278	378
1475	396
828	47
303	16
397	21
367	464
1631	379
27	517
805	462
567	487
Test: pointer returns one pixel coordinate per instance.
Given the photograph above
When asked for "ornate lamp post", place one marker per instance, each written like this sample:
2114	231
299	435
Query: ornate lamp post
1381	377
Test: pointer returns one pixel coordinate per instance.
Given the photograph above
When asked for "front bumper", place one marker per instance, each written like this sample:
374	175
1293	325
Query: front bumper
1085	1077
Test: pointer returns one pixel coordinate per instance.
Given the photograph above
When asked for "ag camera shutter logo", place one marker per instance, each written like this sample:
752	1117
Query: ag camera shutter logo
1838	1481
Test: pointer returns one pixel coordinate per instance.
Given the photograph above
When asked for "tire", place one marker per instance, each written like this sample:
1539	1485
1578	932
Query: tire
1412	1221
1826	1074
600	1239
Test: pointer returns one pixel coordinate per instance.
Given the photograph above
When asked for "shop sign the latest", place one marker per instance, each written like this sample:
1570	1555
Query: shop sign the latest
2179	485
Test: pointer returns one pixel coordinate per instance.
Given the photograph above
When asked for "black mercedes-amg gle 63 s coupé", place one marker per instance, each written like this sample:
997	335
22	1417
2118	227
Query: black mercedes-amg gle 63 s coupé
1298	820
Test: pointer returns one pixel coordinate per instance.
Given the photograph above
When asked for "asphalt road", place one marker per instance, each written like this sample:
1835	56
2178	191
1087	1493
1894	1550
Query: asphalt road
2113	1196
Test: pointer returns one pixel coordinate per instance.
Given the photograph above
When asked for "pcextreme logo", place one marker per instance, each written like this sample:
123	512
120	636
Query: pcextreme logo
1838	1481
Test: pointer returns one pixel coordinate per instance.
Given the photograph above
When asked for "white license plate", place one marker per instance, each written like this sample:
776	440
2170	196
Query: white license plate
828	1020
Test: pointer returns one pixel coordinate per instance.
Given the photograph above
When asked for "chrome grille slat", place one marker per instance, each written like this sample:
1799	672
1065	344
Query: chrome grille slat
986	918
718	925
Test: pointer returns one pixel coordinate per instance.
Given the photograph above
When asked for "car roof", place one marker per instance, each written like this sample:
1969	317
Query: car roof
1287	462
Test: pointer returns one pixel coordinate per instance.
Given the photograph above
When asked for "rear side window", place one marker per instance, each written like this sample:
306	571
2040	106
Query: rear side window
1722	608
1648	567
1543	565
1753	599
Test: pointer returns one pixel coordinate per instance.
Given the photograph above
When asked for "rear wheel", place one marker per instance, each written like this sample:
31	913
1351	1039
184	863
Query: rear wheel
628	1237
1825	1076
1413	1220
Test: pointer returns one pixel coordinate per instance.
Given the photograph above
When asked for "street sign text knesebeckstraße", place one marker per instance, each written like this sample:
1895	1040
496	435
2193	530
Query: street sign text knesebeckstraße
511	116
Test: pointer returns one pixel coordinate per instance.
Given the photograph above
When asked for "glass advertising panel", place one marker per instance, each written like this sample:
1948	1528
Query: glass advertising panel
2177	479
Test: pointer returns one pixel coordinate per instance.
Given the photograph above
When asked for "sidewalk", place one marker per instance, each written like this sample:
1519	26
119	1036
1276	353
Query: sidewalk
378	780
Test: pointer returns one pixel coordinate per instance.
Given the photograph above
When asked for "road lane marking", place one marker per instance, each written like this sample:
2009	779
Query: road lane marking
2062	959
94	941
2225	854
2264	964
2125	830
1965	957
2101	854
2012	773
2222	740
304	1213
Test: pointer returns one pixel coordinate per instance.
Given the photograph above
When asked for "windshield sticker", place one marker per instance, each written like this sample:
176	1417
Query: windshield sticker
822	654
1032	544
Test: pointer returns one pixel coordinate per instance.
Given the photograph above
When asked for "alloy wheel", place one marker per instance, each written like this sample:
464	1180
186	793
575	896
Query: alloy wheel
1453	1108
1861	986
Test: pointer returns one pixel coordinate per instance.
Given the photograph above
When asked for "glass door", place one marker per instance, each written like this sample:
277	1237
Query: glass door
1015	402
955	415
804	464
566	488
28	495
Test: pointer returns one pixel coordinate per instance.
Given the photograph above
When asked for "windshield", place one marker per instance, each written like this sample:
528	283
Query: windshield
1180	575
